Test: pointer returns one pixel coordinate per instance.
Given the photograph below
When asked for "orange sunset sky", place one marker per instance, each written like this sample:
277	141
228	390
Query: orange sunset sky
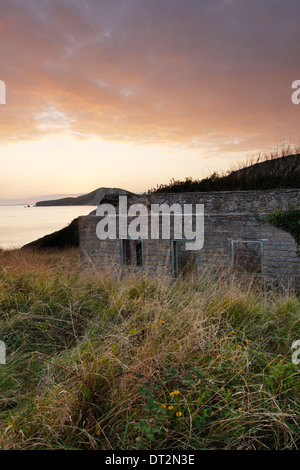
130	93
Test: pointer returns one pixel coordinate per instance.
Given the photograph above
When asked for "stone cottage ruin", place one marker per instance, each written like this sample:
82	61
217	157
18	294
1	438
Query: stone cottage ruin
237	239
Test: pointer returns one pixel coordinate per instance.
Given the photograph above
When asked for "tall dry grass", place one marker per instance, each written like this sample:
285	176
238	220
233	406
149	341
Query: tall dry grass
100	363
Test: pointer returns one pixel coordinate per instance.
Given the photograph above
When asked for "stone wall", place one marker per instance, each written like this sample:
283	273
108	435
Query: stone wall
280	260
229	217
105	255
233	202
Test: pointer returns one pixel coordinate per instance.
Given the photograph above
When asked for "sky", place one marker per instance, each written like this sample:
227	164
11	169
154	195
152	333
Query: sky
132	93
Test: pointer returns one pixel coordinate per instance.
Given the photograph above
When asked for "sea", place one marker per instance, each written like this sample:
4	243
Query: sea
20	225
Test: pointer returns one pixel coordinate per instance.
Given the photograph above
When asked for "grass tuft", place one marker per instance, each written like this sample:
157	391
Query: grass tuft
97	363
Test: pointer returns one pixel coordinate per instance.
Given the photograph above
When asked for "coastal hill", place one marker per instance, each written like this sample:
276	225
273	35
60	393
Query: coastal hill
91	199
67	237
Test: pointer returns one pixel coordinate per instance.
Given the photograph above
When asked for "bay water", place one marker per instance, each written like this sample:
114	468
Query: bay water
20	225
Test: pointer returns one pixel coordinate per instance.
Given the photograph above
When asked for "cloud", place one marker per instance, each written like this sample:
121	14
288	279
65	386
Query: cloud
151	72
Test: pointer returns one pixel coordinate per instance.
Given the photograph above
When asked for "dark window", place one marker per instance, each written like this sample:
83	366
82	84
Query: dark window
132	252
139	253
127	252
183	261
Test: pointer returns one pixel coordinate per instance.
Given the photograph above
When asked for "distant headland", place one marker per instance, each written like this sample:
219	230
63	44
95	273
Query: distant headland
91	199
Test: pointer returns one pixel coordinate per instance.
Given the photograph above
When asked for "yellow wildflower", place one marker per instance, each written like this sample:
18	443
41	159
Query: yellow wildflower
98	432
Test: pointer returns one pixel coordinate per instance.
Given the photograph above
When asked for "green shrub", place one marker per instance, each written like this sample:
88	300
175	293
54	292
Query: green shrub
288	221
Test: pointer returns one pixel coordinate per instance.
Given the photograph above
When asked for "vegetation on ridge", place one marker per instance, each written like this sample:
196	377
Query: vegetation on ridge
276	170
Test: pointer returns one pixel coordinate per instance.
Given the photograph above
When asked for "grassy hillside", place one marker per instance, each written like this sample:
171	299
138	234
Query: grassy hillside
272	171
67	237
96	363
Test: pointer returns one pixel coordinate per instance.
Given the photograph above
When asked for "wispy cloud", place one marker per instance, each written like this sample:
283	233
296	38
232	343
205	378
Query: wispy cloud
167	71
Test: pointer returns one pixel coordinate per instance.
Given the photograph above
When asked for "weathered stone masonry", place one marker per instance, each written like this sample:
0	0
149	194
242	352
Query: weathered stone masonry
235	226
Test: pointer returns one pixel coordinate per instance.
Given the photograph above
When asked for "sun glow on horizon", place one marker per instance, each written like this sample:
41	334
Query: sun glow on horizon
65	166
132	93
